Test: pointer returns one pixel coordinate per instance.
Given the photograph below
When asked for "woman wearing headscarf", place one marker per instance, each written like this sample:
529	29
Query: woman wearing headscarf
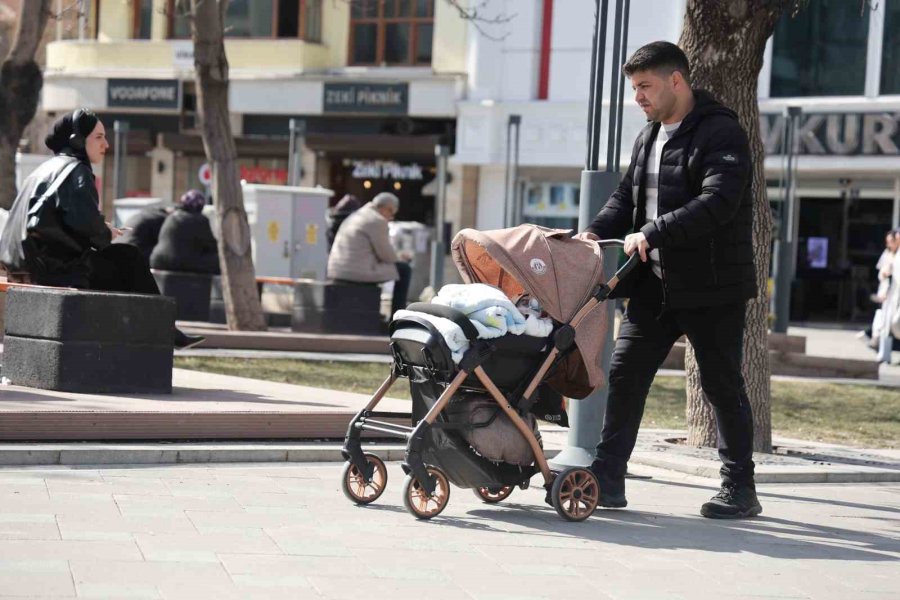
338	214
56	234
186	241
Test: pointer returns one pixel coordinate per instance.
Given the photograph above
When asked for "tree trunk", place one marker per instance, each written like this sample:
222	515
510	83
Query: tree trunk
20	90
242	306
725	42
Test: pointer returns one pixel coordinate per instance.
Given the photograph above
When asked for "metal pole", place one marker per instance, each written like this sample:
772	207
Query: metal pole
615	75
83	8
439	244
512	170
297	128
617	160
516	200
120	131
786	245
586	415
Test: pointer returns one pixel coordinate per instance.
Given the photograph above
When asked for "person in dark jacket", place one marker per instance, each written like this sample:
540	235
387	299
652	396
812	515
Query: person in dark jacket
686	196
186	241
337	214
56	234
142	229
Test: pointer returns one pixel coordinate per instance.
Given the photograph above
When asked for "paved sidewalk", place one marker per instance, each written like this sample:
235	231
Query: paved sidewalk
285	531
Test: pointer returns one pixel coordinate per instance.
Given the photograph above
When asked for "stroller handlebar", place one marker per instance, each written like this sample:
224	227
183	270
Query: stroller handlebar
627	268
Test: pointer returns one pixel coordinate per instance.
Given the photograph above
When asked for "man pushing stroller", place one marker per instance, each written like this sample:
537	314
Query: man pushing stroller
686	195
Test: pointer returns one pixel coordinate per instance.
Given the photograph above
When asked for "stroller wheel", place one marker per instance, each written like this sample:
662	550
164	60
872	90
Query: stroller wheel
417	500
493	495
575	494
355	486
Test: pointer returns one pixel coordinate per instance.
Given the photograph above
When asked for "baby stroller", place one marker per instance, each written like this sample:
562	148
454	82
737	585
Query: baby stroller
565	274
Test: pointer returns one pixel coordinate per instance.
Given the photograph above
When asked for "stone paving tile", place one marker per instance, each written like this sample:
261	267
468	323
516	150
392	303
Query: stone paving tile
355	587
144	579
117	527
277	566
68	550
108	485
36	526
196	547
167	505
39	577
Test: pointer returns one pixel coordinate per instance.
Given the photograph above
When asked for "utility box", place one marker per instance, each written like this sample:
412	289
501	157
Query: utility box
288	228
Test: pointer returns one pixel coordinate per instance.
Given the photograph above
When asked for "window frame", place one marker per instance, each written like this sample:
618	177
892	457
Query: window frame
381	22
301	27
136	20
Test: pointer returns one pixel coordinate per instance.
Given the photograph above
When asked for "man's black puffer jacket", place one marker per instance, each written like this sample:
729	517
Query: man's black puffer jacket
704	228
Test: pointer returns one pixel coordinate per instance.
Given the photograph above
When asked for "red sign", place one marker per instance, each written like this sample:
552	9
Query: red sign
264	175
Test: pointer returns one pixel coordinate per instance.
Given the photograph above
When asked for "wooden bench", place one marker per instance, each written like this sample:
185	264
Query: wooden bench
87	341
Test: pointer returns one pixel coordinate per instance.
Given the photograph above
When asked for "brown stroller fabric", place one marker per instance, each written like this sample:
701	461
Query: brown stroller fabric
557	269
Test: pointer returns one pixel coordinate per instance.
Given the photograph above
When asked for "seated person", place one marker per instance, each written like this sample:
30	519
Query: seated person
362	251
56	235
142	229
186	241
338	213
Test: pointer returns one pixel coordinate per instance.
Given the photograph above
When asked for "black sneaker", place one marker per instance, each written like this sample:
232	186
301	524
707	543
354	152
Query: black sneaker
184	341
612	489
734	501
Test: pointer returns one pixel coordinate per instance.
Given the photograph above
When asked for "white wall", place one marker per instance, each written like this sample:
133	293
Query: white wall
491	181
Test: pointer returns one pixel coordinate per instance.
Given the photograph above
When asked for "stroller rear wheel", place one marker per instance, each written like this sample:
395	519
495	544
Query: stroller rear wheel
355	486
417	500
493	495
575	494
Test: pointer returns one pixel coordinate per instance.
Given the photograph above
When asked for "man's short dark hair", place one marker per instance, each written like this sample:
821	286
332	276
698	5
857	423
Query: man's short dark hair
658	56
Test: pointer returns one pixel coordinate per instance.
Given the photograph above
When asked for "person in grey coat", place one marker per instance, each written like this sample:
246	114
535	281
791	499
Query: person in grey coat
362	251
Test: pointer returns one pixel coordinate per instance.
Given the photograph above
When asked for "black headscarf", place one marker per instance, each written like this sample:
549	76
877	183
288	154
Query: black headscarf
58	138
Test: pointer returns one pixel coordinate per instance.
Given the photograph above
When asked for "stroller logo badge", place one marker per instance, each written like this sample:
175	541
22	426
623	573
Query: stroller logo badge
538	266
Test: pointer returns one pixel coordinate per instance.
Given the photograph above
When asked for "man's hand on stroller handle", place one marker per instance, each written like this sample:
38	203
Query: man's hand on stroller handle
636	242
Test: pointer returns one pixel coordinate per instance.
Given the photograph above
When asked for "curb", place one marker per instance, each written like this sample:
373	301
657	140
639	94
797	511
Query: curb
822	473
34	455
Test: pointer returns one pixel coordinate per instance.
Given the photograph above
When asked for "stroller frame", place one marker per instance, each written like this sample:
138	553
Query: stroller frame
574	493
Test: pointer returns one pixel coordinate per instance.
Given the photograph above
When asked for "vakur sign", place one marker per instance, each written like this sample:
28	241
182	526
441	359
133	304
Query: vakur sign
836	134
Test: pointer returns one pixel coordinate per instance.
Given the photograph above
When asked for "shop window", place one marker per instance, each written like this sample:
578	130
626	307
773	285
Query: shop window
391	32
890	62
821	51
551	205
258	19
142	19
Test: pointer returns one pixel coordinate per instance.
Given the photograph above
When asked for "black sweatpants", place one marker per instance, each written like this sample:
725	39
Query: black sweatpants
646	336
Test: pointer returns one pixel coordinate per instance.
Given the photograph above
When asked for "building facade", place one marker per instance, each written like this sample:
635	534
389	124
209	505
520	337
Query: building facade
838	62
374	83
378	83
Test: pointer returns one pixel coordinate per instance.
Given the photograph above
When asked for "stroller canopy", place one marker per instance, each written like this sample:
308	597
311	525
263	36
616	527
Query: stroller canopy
550	265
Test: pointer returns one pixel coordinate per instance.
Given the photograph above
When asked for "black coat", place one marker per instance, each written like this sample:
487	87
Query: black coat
186	243
705	208
55	237
143	229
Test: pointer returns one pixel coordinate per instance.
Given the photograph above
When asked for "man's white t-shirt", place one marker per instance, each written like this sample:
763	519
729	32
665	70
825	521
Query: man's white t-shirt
652	183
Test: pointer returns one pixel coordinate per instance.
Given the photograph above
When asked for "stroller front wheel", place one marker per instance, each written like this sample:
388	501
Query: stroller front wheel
417	500
354	483
575	494
493	495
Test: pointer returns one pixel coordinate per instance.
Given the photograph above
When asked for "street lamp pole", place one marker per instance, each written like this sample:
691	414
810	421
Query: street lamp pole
586	415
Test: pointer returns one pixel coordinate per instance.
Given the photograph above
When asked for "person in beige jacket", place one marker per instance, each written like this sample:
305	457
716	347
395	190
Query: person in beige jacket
362	251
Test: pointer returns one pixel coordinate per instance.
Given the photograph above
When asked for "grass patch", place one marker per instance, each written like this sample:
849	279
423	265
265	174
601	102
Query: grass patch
859	415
